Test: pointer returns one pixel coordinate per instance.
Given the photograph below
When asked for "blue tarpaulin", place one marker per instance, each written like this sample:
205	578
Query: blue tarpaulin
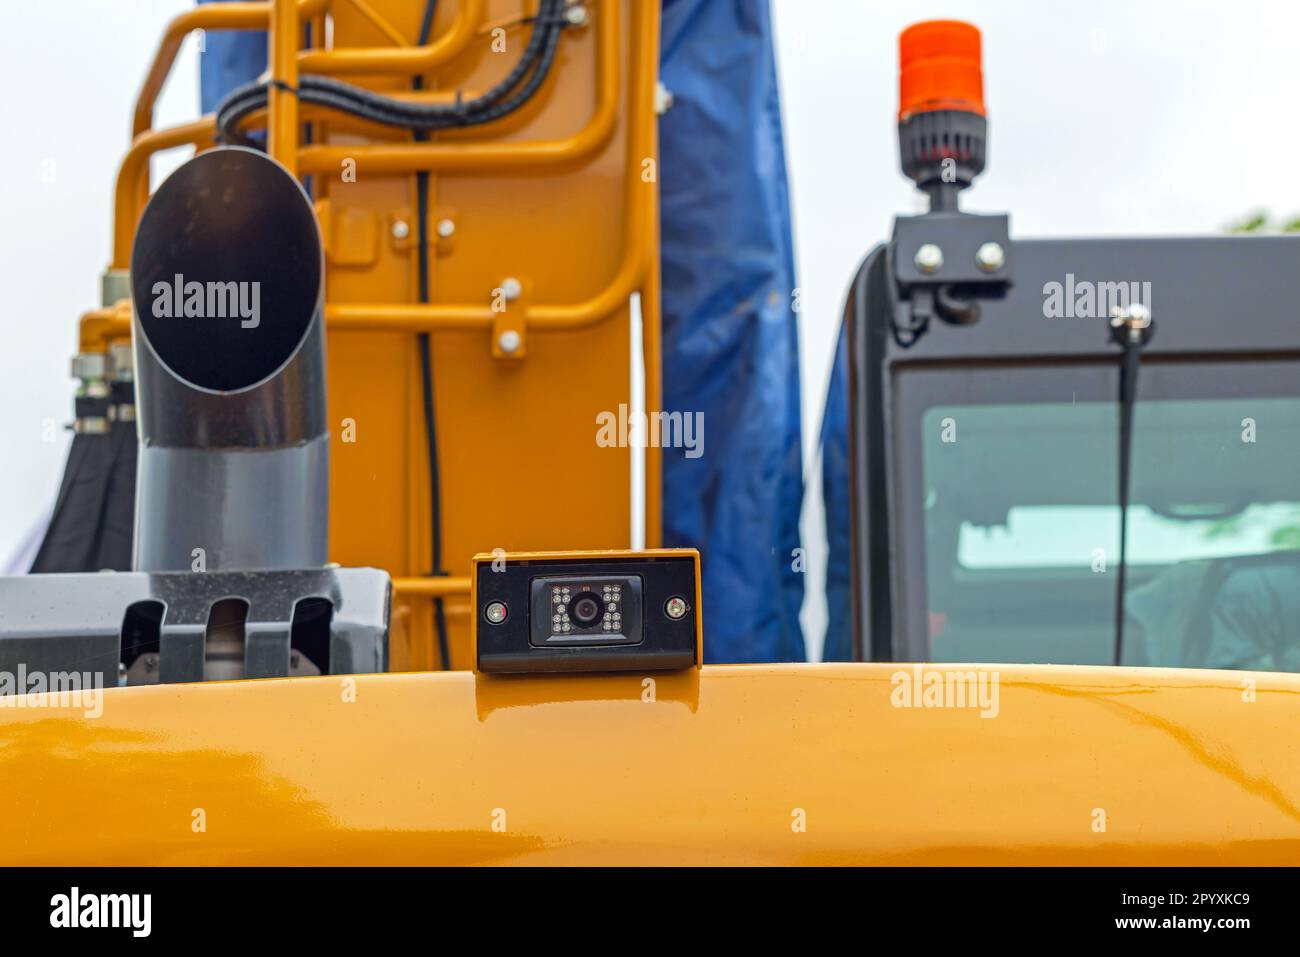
229	59
731	348
730	344
835	491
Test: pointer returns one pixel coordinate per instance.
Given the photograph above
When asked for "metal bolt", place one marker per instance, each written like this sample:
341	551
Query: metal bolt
509	341
511	288
990	257
1134	314
675	607
576	15
401	229
1135	318
89	366
120	358
446	228
495	612
928	258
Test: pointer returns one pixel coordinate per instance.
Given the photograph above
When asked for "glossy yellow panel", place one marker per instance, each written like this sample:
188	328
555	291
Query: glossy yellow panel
716	766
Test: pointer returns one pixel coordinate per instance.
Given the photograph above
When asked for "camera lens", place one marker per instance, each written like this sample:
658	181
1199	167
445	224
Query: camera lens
586	609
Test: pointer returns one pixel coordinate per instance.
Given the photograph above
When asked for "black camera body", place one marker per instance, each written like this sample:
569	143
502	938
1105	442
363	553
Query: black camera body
598	611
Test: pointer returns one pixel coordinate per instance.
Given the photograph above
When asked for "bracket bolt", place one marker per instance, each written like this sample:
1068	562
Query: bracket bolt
928	258
511	288
401	229
446	228
990	257
576	14
509	341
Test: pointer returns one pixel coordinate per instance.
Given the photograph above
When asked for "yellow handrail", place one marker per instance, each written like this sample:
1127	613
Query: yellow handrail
412	317
284	41
133	178
448	156
421	59
431	587
416	317
215	16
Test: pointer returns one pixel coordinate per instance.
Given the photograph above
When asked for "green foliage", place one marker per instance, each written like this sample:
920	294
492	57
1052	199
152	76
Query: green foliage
1261	222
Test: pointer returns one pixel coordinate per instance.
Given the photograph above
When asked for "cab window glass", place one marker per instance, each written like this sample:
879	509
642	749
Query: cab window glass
1022	532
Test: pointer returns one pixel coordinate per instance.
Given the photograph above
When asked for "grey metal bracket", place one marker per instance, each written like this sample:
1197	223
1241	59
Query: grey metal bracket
75	622
940	260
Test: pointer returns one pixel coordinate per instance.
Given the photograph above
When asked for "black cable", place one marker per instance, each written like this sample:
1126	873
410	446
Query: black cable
426	30
500	100
1131	338
1127	393
426	374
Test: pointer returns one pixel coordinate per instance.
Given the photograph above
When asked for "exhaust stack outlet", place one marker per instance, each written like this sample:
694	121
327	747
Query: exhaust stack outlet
227	285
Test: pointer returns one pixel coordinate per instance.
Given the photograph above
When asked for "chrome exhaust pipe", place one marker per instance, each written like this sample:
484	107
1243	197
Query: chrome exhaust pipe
227	283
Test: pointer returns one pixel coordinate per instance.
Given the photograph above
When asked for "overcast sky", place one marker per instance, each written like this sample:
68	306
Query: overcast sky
1106	117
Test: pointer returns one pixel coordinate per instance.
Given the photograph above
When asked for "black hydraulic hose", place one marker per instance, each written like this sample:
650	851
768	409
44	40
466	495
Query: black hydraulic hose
527	91
426	376
365	104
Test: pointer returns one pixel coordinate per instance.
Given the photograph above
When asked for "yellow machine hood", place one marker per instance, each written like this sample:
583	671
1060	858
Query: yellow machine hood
778	764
